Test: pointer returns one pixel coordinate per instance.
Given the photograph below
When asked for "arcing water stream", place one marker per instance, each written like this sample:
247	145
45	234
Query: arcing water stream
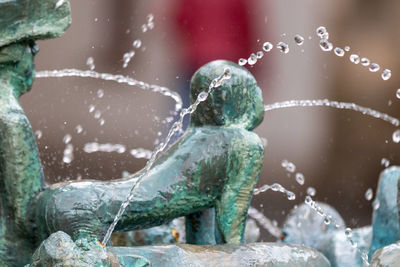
116	78
333	104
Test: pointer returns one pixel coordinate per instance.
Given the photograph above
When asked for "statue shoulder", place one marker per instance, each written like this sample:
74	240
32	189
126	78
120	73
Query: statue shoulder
246	144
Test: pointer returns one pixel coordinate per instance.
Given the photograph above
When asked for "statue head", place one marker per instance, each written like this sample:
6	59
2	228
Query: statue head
237	102
32	20
21	23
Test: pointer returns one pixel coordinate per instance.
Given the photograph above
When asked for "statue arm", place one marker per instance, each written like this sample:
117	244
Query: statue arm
243	170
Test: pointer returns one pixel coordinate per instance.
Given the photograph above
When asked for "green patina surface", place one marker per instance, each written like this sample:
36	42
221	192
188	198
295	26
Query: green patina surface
32	20
21	175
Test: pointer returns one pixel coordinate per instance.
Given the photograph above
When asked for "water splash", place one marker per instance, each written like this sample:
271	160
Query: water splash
161	147
333	104
328	219
264	222
112	77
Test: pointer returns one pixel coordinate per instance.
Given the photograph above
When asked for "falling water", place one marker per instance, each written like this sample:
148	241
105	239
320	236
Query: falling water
333	104
174	129
112	77
264	222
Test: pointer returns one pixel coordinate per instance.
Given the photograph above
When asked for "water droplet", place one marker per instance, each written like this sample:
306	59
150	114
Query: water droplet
59	3
354	58
242	61
91	108
325	36
398	93
252	59
97	114
100	93
339	51
386	74
385	162
369	194
298	39
67	138
38	134
276	187
144	28
264	141
365	61
376	204
267	46
374	67
150	25
300	178
328	219
348	232
347	48
283	47
308	200
202	96
102	121
260	54
396	136
90	63
321	30
291	195
150	17
137	43
311	191
325	45
68	154
227	73
78	129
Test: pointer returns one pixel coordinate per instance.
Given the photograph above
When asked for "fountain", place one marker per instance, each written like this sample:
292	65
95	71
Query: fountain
208	176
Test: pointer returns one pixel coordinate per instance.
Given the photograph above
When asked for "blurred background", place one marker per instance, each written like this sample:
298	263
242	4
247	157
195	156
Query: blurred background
339	152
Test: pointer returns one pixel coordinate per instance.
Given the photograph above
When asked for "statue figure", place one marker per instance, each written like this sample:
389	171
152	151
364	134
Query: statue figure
210	172
21	175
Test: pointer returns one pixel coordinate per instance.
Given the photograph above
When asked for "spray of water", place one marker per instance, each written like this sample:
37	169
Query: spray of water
333	104
160	148
112	77
328	219
265	223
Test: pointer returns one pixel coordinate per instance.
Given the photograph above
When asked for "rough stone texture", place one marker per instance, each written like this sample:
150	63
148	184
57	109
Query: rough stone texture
388	256
60	250
21	176
305	226
255	254
385	219
211	167
32	19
